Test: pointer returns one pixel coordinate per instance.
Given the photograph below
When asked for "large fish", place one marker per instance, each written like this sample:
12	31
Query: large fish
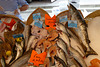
81	29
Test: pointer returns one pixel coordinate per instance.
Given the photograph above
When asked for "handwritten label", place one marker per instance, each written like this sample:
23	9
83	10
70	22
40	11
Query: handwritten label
63	19
10	25
72	24
36	16
37	58
50	22
38	23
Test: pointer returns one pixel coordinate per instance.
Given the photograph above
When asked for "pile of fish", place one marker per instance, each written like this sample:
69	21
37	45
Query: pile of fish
60	44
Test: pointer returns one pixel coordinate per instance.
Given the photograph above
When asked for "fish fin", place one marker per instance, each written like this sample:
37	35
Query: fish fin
91	52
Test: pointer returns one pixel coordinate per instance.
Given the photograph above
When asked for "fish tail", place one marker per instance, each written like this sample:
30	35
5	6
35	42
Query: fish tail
91	52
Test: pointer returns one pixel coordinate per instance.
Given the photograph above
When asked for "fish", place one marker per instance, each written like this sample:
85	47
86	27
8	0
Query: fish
78	46
22	61
60	26
13	54
69	51
64	37
3	63
81	29
63	46
19	51
61	54
61	61
30	42
72	62
27	34
77	56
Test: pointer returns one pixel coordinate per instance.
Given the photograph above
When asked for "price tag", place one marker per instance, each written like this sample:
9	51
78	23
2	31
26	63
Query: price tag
37	59
63	19
72	23
50	22
36	16
38	23
18	35
0	21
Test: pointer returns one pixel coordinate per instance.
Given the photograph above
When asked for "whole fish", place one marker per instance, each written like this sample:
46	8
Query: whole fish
60	26
64	37
19	51
78	45
78	57
61	61
30	42
63	46
27	34
81	29
22	60
61	54
3	63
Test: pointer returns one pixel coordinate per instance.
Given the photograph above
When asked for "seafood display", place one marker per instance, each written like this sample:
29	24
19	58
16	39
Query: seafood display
41	44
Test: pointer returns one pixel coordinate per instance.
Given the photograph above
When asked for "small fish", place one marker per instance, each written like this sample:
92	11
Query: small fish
19	51
3	63
81	29
60	26
64	37
27	34
62	45
61	61
30	42
78	57
22	60
61	54
72	62
74	39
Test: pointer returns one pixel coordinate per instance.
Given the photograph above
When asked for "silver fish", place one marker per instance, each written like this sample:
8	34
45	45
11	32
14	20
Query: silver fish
60	62
22	61
27	34
3	62
77	57
62	45
80	47
19	51
60	26
64	37
30	42
62	55
81	29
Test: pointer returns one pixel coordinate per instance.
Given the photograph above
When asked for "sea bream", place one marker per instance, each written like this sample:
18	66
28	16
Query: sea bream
81	29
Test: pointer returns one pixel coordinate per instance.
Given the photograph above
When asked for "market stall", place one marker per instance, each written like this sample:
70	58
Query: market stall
65	40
